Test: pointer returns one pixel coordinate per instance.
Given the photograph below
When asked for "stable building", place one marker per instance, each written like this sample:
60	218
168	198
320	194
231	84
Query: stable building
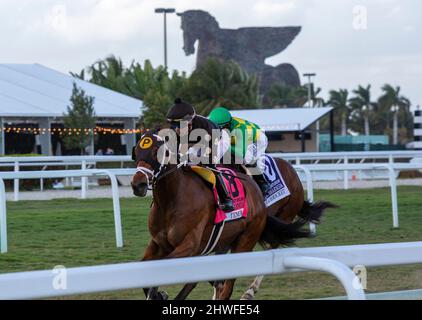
34	96
290	129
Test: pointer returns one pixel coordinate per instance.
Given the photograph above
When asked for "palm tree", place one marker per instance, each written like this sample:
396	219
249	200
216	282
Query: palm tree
217	83
80	75
394	102
317	102
340	101
286	96
362	103
108	73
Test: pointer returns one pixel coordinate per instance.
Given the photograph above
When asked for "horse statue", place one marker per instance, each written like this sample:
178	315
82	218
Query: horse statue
249	47
181	221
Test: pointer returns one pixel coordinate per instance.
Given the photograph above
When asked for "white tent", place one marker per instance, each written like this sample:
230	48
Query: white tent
40	94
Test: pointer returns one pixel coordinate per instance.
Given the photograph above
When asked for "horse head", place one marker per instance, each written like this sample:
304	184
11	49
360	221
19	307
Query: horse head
145	155
195	23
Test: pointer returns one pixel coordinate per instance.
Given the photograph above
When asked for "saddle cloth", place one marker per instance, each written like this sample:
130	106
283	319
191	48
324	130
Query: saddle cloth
278	189
236	191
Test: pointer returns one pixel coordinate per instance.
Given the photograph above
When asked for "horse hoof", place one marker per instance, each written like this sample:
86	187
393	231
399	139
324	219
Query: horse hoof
248	295
162	295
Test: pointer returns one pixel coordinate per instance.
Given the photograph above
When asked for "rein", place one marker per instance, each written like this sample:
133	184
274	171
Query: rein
160	175
226	174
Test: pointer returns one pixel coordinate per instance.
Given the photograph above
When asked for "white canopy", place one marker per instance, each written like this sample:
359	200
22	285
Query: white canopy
283	120
33	90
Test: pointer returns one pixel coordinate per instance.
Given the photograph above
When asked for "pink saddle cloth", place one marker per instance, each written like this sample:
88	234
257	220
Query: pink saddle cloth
237	194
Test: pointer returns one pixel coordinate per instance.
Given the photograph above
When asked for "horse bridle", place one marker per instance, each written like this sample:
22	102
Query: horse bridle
153	178
159	170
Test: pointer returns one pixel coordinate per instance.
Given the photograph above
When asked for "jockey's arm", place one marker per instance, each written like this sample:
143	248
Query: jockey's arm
239	143
223	145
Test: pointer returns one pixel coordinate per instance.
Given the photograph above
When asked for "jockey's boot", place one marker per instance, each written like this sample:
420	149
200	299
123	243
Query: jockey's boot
224	199
262	183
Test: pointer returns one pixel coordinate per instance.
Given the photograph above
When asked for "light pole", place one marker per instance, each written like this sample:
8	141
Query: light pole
309	76
395	111
165	11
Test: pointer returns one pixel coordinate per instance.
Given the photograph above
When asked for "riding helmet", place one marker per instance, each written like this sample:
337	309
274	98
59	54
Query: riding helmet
181	111
220	116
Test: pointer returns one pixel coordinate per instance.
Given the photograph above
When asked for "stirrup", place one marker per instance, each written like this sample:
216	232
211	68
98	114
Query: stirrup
265	187
262	184
226	206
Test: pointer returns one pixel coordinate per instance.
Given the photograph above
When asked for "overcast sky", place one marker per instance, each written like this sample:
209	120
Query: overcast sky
337	42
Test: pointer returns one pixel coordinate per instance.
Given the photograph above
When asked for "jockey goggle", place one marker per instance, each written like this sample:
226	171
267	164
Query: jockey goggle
224	125
176	124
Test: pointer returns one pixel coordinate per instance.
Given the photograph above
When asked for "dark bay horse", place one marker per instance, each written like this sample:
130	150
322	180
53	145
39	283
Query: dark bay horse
290	209
182	214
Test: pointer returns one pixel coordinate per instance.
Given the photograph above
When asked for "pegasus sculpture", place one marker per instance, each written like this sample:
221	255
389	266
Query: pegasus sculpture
249	47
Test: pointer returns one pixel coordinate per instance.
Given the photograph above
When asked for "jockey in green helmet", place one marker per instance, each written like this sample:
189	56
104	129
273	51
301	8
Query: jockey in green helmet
248	142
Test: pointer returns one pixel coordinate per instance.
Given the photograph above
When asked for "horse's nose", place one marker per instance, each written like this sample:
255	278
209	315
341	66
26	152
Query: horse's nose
139	189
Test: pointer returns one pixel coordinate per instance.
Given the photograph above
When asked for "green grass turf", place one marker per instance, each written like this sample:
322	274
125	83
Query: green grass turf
73	232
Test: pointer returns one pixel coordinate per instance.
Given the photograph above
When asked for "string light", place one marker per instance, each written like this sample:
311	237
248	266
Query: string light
72	131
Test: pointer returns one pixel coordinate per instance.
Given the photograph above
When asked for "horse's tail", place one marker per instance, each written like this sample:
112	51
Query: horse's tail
312	212
278	233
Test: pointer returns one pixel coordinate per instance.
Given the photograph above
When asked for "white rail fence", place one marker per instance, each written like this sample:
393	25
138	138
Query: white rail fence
112	173
84	162
61	174
336	261
391	169
298	158
346	157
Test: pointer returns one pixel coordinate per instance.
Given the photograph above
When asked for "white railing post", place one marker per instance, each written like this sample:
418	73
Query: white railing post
393	188
3	218
346	175
116	207
66	179
394	200
16	183
347	278
83	181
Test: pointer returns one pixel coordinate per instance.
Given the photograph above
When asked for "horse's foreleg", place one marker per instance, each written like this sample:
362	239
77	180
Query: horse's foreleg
253	289
153	252
186	290
255	285
218	288
226	291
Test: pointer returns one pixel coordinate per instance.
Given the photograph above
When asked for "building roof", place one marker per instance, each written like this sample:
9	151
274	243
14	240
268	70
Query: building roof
33	90
283	120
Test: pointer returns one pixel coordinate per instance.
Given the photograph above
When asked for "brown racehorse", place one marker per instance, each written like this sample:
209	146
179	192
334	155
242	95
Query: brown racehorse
183	210
289	209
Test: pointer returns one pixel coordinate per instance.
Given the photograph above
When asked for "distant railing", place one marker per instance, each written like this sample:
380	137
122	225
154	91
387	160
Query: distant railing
61	174
298	158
